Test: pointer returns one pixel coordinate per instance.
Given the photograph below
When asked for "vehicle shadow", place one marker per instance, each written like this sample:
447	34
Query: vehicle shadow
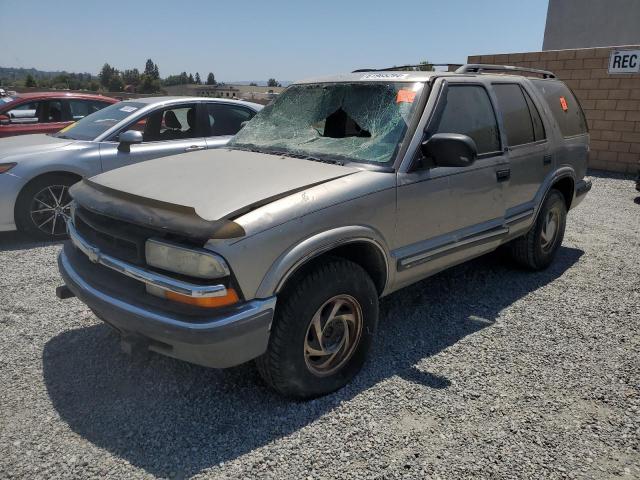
172	418
10	241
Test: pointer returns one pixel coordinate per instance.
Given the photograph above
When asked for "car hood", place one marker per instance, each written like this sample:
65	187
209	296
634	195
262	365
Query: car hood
24	145
221	183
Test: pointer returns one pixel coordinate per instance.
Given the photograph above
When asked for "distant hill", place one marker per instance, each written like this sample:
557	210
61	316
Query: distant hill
12	74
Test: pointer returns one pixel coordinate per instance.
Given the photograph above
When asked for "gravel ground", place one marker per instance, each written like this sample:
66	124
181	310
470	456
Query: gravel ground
482	371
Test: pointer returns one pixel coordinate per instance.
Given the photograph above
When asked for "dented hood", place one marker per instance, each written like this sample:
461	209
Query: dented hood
221	183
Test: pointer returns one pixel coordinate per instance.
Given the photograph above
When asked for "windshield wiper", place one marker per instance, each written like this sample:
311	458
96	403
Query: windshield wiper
269	151
306	156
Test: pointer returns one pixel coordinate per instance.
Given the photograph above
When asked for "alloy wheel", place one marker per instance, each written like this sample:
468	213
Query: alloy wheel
50	209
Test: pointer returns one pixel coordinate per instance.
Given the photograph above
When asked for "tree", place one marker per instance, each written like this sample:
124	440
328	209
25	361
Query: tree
30	81
63	80
106	74
148	84
424	66
211	79
149	68
156	72
191	80
116	84
131	77
253	84
272	82
198	81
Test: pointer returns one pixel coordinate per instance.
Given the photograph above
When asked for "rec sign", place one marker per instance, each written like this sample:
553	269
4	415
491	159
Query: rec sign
624	61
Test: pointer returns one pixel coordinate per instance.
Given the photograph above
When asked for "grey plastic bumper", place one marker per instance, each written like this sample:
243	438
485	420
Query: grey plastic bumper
218	341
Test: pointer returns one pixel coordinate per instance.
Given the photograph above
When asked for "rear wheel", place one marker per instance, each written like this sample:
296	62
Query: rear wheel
44	206
537	249
322	330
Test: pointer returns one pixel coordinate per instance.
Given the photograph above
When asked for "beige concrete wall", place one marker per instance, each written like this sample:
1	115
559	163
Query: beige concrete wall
611	102
591	23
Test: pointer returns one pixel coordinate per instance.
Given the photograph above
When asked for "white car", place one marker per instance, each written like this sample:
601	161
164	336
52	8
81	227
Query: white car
36	171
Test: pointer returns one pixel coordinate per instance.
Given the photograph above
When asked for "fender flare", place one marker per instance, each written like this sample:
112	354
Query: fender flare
563	172
302	252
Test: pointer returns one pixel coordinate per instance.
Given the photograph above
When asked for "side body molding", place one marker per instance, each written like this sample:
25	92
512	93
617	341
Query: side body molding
311	247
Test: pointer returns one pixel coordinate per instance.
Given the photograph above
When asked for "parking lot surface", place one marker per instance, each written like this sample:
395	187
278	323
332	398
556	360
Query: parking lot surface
482	371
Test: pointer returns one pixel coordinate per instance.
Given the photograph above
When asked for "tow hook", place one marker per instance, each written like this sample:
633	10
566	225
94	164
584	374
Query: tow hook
63	292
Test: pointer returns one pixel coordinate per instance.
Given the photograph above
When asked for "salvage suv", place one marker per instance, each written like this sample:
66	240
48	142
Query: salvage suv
343	190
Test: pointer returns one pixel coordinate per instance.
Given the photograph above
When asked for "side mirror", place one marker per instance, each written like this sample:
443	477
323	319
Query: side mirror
5	120
127	139
450	150
242	124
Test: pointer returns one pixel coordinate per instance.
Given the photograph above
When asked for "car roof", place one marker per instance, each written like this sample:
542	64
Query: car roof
404	76
177	99
37	95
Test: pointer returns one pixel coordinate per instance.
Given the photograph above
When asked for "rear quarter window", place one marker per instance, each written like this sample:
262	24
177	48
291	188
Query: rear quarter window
563	105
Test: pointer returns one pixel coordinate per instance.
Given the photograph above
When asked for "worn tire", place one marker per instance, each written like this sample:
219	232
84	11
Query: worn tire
284	366
23	217
529	251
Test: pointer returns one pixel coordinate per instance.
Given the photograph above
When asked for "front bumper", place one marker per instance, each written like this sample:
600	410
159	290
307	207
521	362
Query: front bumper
212	339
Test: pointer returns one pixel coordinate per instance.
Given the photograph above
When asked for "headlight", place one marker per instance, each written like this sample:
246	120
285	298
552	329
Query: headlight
187	261
5	167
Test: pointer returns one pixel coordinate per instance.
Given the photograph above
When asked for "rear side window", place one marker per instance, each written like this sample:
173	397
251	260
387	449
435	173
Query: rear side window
227	119
538	127
563	105
54	112
515	114
468	111
79	109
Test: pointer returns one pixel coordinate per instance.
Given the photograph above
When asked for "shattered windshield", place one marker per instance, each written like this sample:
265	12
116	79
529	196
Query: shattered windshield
362	122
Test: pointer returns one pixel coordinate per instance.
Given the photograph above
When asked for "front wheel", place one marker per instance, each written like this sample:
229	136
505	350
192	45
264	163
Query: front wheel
537	249
322	330
44	206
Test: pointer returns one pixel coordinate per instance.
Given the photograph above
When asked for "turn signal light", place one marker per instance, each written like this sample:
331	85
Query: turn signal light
207	302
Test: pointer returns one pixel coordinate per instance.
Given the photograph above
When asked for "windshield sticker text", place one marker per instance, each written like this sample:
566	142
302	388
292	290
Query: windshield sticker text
384	76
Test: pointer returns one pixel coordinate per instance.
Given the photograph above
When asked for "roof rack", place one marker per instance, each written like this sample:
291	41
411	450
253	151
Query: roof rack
402	67
481	68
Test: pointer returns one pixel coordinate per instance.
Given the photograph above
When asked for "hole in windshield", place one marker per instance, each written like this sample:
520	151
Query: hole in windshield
363	122
339	125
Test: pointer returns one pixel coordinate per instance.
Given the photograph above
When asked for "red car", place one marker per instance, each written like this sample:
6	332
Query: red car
46	112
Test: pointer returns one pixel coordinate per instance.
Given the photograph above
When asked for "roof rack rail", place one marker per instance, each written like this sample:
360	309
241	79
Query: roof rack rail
400	68
482	67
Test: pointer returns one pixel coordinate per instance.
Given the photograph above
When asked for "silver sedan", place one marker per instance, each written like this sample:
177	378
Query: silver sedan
36	171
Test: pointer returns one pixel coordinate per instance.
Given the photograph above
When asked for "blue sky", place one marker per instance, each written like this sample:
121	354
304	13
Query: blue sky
251	40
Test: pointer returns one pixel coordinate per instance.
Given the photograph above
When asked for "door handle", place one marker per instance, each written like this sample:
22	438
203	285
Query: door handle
546	160
503	175
194	148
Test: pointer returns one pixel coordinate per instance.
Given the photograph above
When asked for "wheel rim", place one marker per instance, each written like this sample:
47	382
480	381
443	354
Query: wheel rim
50	209
550	228
333	335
